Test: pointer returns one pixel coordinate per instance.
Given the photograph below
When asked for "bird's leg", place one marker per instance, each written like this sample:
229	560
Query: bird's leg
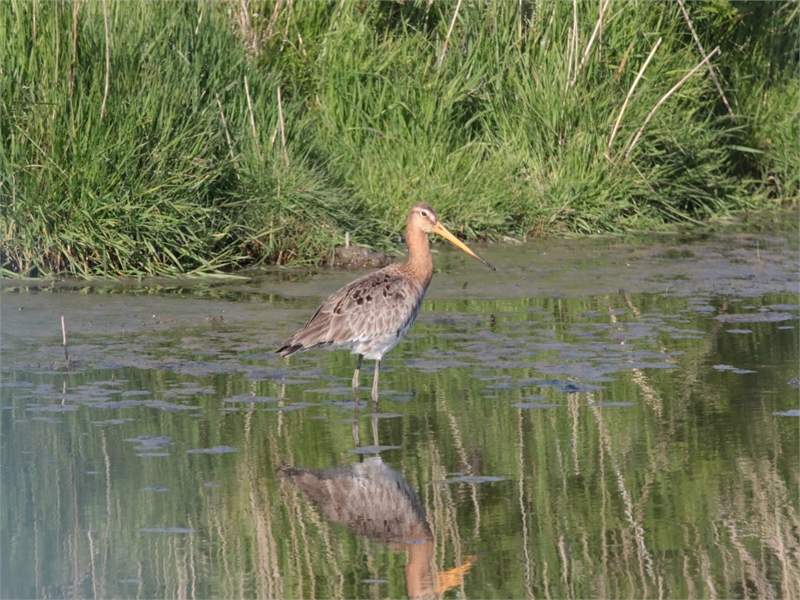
376	442
375	382
355	378
356	438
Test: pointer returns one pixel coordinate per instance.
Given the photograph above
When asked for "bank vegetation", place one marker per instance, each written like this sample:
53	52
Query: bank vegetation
147	138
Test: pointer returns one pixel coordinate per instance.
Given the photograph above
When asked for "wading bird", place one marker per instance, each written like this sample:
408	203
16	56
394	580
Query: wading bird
376	502
373	313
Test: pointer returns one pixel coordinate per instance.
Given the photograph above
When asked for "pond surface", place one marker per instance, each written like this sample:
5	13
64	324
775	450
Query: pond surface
598	418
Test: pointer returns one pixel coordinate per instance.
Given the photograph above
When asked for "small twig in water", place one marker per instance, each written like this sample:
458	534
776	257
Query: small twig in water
64	338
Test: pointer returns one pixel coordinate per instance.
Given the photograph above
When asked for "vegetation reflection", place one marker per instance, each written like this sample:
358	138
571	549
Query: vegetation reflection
656	474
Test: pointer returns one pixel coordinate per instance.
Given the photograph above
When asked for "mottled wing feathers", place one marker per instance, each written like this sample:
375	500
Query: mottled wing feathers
371	307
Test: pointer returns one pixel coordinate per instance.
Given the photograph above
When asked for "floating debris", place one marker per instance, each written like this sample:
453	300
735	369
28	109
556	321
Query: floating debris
53	408
169	406
732	369
474	479
795	412
249	398
757	317
290	407
166	530
372	449
527	405
149	443
214	450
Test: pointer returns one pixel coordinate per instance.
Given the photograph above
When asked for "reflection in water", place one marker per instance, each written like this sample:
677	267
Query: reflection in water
375	501
636	445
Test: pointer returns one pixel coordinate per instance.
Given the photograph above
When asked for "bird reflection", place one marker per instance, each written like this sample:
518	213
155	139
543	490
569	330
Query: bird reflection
375	501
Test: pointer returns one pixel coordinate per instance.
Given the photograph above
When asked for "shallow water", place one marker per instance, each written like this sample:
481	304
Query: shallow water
597	418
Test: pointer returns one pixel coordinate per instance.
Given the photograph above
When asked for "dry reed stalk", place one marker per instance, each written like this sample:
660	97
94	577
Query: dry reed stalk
58	53
283	128
74	46
57	48
273	19
663	99
225	125
711	70
628	97
335	23
569	64
199	21
286	30
244	22
600	38
449	32
44	154
623	62
252	119
573	51
570	46
598	28
108	60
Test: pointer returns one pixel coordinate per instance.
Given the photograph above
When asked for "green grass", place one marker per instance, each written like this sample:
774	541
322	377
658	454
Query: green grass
507	137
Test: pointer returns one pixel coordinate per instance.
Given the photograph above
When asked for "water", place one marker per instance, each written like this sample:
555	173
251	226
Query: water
598	418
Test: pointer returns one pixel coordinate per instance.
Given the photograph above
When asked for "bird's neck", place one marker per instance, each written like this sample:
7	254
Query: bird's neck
420	262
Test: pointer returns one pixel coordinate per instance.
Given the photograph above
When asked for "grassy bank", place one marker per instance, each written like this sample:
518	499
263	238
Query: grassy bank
170	137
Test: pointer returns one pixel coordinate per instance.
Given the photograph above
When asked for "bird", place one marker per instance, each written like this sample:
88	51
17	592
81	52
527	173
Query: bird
372	314
375	501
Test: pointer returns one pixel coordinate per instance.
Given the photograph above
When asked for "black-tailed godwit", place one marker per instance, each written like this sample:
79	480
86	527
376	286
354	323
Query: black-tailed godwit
373	313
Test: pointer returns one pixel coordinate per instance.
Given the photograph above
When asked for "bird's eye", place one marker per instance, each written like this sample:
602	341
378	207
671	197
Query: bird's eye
424	213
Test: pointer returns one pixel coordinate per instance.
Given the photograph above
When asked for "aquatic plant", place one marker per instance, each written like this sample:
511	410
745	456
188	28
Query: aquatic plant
194	137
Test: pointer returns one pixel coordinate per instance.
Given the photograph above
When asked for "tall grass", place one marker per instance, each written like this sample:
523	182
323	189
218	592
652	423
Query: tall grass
177	166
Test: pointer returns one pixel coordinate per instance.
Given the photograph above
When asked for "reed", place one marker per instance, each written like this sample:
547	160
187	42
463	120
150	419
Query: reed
183	137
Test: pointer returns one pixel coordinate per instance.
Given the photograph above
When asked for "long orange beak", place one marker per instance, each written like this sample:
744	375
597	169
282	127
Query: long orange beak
442	231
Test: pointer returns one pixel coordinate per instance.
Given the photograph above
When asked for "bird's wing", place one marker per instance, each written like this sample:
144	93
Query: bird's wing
375	304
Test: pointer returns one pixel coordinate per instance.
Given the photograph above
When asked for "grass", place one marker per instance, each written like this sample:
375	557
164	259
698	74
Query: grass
178	166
